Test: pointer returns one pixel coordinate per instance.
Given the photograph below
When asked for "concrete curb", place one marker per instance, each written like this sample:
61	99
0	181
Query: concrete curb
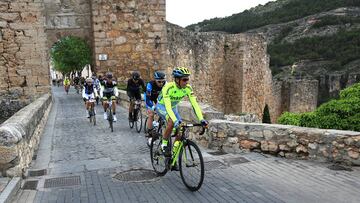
10	190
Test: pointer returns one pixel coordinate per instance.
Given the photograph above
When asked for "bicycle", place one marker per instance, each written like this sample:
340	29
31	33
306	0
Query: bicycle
92	115
67	87
137	116
184	155
77	88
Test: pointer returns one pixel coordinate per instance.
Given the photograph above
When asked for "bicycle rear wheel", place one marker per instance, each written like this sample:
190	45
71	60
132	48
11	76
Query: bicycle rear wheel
191	165
157	156
138	120
131	122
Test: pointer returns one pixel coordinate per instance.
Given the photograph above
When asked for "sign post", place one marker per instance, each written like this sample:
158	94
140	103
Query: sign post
102	57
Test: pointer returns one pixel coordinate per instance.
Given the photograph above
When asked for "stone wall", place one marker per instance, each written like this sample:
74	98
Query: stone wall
20	136
230	72
133	35
303	96
297	96
24	73
285	141
67	18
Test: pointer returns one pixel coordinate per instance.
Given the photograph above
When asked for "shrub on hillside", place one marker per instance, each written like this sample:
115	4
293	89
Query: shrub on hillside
288	118
308	119
341	114
351	92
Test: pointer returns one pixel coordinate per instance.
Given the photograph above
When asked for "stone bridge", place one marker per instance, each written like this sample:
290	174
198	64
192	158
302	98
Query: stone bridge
230	73
79	162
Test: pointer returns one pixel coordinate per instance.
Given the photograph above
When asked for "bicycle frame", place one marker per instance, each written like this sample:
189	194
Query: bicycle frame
183	139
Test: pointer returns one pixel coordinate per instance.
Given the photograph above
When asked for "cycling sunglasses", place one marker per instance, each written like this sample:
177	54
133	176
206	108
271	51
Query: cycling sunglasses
184	79
160	81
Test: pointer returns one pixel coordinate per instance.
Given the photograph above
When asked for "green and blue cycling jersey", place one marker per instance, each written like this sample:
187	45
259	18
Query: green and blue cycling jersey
171	95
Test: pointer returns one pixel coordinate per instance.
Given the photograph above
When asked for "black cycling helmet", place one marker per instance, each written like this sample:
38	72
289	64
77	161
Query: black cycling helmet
135	75
159	75
109	75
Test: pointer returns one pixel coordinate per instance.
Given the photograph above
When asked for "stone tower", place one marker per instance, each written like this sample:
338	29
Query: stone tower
24	72
131	33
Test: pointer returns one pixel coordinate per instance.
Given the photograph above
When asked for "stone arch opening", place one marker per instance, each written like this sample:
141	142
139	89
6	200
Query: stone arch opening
72	56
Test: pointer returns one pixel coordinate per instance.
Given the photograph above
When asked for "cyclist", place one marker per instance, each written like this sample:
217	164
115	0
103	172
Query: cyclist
97	86
109	90
66	84
76	84
133	91
171	94
153	88
88	93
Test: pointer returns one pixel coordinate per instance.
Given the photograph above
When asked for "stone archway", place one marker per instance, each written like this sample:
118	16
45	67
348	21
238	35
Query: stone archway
67	17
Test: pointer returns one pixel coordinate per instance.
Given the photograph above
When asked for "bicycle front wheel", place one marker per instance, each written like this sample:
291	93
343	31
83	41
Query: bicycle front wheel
157	156
138	120
111	119
93	116
191	165
145	125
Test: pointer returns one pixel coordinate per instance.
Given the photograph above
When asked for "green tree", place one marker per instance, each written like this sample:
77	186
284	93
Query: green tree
70	54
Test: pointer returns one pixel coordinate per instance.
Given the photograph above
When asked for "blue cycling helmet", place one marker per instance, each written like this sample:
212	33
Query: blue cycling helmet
159	75
180	72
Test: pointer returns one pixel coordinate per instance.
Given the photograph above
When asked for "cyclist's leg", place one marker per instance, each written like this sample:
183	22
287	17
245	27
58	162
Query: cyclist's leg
131	105
150	119
137	99
113	100
105	105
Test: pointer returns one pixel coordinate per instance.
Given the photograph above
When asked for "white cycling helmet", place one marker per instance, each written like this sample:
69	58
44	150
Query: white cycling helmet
89	80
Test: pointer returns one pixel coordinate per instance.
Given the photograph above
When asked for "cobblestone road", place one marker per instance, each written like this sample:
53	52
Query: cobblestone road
90	157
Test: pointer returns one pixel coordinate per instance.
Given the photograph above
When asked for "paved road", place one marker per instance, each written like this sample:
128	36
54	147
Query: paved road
87	158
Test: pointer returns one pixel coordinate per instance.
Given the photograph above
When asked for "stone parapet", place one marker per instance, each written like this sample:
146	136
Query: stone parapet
20	136
283	140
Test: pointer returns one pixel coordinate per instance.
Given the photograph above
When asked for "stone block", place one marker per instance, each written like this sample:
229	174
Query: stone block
353	153
313	146
17	81
9	16
256	135
268	134
120	40
2	25
301	149
292	143
7	154
284	147
269	146
233	140
249	144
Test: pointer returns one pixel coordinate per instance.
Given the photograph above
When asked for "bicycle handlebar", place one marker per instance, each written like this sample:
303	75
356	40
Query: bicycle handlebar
188	125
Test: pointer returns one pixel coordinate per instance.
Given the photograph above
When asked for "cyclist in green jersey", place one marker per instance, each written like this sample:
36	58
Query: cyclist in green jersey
171	94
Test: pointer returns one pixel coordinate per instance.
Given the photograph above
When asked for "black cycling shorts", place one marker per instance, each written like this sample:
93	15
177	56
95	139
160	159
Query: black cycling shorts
135	95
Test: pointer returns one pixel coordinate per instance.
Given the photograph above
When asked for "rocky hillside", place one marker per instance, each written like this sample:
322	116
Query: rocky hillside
317	39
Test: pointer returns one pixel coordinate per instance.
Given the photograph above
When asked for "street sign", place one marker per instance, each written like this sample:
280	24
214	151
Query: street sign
103	57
